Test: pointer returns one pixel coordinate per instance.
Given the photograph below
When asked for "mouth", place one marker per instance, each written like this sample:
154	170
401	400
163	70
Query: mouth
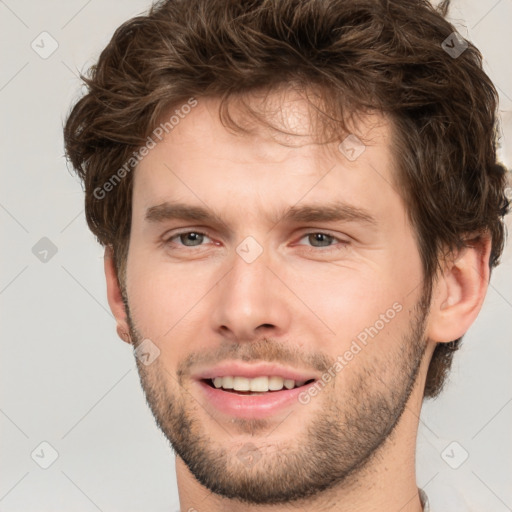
256	390
256	386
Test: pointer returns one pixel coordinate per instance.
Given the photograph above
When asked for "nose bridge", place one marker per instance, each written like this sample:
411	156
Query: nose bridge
248	291
248	296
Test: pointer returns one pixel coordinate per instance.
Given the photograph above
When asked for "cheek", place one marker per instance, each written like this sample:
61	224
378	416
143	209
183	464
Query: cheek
368	321
163	296
350	304
370	302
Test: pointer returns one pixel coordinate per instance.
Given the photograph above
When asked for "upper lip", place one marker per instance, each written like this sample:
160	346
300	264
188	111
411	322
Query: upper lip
250	371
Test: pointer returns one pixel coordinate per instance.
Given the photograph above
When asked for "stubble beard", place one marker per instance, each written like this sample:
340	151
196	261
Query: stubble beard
332	449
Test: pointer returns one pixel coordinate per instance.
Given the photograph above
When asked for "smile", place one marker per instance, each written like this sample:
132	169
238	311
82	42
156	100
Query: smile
247	403
257	385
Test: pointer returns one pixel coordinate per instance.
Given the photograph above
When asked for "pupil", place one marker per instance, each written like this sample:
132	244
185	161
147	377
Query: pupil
320	239
191	237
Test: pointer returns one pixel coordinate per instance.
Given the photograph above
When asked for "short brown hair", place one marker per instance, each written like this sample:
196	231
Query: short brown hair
384	56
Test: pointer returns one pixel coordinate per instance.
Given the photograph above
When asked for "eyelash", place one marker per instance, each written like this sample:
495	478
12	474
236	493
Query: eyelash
334	247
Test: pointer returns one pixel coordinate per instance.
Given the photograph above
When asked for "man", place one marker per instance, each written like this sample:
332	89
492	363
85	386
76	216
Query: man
301	205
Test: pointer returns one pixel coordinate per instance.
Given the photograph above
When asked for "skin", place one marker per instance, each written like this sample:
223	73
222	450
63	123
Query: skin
202	304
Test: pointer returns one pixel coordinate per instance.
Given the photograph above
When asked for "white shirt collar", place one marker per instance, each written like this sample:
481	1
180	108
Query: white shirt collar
424	500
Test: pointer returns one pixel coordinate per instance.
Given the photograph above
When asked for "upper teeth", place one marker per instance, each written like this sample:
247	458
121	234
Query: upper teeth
256	384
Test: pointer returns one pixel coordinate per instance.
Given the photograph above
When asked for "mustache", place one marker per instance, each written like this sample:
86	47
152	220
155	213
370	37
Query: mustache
262	350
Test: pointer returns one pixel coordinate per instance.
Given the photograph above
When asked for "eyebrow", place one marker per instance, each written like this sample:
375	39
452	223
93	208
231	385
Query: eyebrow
332	212
338	211
179	211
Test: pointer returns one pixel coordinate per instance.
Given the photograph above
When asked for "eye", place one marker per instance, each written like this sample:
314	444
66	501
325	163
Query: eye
319	239
189	238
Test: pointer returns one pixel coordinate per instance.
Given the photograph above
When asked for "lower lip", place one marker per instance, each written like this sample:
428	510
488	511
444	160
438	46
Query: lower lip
251	406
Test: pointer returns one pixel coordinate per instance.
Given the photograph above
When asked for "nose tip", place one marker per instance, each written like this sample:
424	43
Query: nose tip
248	303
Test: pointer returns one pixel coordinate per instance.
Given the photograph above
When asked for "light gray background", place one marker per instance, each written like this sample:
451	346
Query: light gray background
68	380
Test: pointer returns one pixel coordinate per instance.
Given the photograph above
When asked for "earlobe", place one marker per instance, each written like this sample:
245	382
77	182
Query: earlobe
459	292
114	296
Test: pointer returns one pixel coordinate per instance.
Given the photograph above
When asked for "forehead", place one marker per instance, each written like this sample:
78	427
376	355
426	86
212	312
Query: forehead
202	161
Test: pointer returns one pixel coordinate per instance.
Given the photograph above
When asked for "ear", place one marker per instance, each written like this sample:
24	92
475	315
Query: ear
115	298
459	292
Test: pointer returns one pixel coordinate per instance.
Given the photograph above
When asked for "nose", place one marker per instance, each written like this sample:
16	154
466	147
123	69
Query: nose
250	301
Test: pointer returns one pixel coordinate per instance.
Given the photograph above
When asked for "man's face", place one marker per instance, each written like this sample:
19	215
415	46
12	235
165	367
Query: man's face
270	284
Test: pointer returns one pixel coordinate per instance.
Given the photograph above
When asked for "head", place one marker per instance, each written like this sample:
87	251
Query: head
227	117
